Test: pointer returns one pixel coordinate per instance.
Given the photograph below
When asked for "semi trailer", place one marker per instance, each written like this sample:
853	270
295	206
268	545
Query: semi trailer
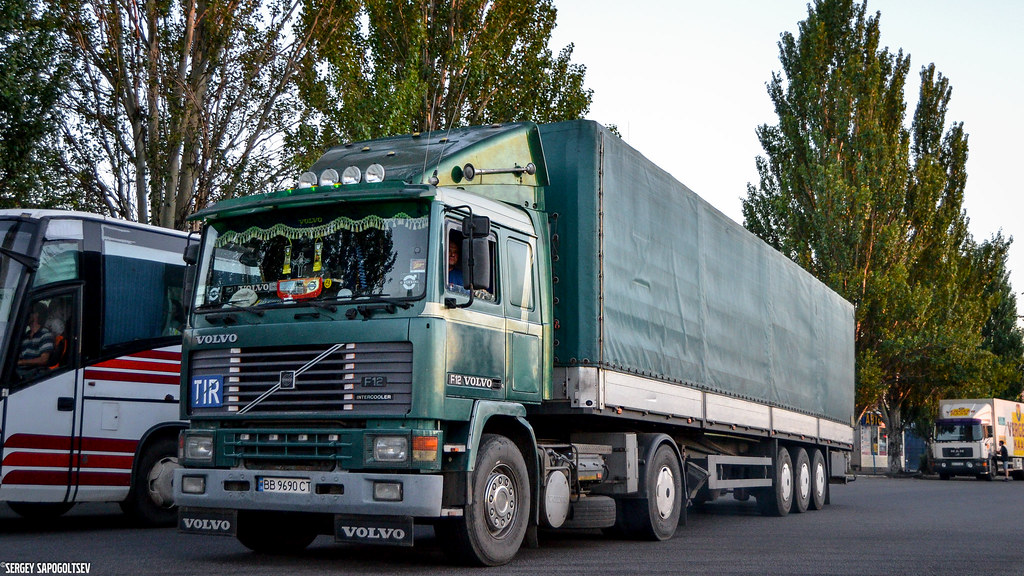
496	330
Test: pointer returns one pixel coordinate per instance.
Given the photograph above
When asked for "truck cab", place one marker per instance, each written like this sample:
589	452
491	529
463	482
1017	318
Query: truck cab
964	444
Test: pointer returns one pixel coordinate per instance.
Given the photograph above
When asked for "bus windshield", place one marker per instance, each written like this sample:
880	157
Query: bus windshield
330	253
15	240
958	431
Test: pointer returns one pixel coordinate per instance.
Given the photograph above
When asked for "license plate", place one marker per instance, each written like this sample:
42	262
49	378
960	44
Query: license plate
958	463
282	485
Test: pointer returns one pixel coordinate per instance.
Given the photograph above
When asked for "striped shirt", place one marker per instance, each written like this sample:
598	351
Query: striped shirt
33	347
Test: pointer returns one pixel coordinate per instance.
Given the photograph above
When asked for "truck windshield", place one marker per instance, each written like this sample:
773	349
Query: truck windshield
958	432
312	255
15	239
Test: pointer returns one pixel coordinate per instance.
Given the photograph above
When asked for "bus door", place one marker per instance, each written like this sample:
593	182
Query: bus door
43	402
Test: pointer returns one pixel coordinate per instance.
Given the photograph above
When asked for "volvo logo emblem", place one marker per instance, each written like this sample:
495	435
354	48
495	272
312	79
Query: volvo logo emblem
217	339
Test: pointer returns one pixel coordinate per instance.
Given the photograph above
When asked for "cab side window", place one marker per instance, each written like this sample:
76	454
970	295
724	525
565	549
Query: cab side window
520	274
455	277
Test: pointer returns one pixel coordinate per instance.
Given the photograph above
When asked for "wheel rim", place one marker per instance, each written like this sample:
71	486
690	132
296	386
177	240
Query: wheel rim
500	503
819	479
160	482
665	492
805	481
786	482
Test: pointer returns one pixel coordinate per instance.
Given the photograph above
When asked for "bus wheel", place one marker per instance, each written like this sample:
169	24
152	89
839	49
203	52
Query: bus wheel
40	510
493	525
150	501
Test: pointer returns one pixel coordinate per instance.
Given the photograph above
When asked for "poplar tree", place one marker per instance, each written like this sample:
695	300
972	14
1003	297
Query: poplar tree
422	65
875	210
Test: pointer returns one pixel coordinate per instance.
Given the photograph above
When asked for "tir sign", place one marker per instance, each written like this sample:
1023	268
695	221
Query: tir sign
207	391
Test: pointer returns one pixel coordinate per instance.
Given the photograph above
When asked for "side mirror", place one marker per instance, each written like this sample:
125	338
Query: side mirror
191	257
476	227
476	266
191	254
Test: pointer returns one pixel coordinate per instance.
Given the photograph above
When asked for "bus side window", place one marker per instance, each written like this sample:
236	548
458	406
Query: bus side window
143	273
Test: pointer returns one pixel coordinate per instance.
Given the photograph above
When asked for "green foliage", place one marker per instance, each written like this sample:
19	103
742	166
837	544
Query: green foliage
31	73
876	211
403	66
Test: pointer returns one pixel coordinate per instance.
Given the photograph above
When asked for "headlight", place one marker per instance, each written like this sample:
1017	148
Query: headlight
351	175
375	173
307	180
328	177
198	447
390	448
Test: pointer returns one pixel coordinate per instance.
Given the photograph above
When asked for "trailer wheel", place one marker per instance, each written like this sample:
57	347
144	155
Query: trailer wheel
493	524
801	479
777	500
40	510
150	500
819	478
273	533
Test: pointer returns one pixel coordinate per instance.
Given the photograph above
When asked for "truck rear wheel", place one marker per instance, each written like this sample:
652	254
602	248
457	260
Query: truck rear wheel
801	479
493	525
819	480
656	516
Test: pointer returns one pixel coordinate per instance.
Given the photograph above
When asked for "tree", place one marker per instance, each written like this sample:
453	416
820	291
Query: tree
173	104
31	73
421	65
876	210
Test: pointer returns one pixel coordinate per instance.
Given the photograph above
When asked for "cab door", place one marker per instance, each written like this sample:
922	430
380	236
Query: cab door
40	411
522	321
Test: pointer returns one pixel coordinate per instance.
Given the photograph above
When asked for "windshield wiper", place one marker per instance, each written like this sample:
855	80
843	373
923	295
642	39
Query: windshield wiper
27	261
377	302
224	312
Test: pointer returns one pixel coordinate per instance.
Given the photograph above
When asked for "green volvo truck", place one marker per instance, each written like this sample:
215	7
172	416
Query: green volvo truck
494	331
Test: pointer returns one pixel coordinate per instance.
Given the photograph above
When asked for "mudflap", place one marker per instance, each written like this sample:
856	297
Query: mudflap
208	521
382	530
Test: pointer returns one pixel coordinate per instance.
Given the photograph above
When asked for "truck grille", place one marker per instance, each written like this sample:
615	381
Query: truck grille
360	378
964	452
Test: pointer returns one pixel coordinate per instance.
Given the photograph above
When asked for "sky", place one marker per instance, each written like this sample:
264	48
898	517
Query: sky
685	82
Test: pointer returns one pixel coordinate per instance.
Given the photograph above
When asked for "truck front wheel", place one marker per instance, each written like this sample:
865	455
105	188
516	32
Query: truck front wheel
493	525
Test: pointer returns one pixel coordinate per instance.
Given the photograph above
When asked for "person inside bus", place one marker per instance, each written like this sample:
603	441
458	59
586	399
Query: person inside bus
37	342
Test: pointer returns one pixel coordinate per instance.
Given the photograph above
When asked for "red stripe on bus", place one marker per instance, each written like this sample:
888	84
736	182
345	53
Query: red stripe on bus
132	377
41	442
60	478
157	355
54	460
123	364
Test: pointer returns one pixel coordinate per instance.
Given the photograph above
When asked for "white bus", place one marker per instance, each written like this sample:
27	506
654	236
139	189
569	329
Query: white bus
90	345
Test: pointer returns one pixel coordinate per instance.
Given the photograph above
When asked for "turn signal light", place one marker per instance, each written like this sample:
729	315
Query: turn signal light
424	448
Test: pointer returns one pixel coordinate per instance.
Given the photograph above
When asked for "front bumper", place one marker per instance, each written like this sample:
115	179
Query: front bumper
963	467
236	490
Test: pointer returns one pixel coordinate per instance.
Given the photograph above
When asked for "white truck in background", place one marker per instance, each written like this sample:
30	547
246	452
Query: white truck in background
967	436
